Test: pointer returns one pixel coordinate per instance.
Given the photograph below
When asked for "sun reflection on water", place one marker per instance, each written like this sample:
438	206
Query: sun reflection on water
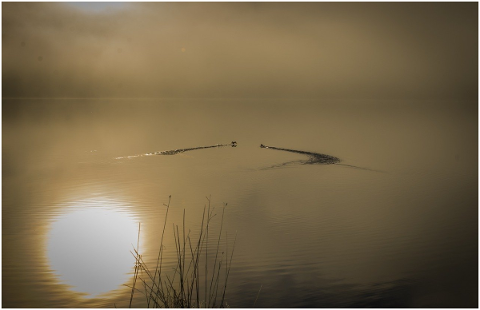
89	247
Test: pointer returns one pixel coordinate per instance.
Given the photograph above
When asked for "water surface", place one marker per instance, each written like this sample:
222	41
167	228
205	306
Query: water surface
392	223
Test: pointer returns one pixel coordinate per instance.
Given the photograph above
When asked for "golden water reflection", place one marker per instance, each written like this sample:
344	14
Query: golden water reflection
89	247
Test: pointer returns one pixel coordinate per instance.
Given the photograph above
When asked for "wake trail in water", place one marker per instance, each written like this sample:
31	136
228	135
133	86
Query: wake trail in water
314	158
177	151
361	168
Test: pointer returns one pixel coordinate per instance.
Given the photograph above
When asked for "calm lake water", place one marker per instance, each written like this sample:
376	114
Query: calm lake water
395	223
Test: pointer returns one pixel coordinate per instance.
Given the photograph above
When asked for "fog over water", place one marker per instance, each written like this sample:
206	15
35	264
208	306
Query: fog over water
328	50
341	139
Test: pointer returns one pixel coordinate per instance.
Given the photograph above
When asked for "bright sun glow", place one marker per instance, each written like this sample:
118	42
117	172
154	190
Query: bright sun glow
90	247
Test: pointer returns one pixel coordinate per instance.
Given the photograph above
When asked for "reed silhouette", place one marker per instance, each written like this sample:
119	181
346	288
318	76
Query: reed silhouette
196	281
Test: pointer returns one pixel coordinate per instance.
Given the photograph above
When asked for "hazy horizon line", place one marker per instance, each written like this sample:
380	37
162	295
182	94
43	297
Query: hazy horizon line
244	98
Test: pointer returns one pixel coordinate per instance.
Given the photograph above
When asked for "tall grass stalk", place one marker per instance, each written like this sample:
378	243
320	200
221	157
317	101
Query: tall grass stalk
181	287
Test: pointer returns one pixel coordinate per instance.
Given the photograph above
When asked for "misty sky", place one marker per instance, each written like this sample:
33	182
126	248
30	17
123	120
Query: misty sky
279	50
